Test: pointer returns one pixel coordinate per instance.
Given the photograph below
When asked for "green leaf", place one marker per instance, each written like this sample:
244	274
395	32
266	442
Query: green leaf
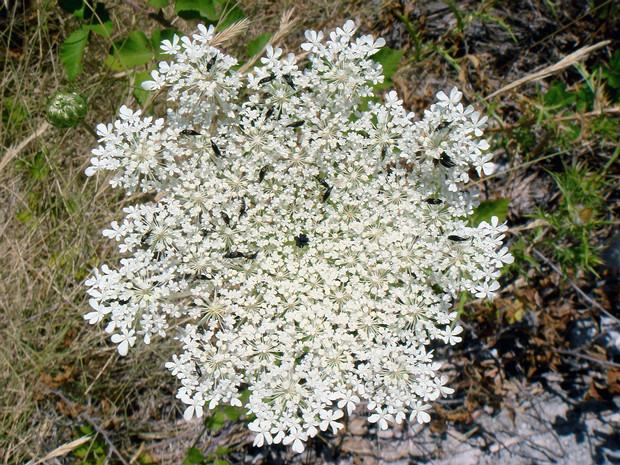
220	462
158	4
196	9
233	413
255	46
220	12
139	93
193	456
133	51
72	52
490	208
13	112
222	450
557	96
216	421
100	21
389	59
160	35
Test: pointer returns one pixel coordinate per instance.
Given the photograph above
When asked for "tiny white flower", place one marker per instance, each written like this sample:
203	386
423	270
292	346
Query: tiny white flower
171	48
124	340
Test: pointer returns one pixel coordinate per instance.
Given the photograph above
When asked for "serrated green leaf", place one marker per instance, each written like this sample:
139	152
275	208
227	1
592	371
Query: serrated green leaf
255	46
488	209
158	4
134	51
139	93
72	52
196	9
389	59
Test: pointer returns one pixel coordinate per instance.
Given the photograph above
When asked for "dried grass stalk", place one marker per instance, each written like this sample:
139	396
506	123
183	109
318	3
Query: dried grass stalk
553	69
286	25
63	450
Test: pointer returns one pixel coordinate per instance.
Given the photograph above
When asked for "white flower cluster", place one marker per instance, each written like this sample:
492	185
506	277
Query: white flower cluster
305	241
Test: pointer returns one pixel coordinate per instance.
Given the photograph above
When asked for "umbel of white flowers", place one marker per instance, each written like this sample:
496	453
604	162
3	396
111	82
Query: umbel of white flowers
305	243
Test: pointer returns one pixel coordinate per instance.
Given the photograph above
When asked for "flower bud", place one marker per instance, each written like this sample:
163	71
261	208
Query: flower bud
66	109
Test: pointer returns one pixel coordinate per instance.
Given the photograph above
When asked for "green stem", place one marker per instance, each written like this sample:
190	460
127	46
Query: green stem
90	130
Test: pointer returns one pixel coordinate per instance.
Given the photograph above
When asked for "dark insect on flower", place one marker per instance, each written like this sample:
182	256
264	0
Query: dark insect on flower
262	173
144	240
454	238
189	132
443	125
234	255
267	79
216	149
204	276
198	370
383	152
446	161
249	256
328	188
226	218
289	81
433	201
327	193
301	240
269	113
296	124
242	209
211	62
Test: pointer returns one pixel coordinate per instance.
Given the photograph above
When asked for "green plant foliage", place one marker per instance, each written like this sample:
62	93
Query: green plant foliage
75	7
217	420
13	113
193	456
256	46
37	167
72	52
93	452
96	19
196	9
611	74
488	209
100	21
578	214
220	12
389	59
132	51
